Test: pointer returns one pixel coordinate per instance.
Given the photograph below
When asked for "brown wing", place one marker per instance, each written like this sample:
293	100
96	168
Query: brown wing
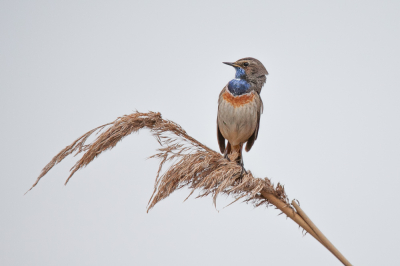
221	139
253	137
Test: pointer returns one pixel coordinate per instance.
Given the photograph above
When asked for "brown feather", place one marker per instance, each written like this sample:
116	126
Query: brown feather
228	148
221	139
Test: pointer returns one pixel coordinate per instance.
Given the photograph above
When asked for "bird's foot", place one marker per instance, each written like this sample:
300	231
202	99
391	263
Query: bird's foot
227	157
240	178
243	170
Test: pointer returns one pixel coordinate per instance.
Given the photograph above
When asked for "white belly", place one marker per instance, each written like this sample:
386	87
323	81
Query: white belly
237	124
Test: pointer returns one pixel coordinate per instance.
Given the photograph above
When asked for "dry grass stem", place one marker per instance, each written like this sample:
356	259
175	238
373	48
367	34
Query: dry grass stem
194	165
320	235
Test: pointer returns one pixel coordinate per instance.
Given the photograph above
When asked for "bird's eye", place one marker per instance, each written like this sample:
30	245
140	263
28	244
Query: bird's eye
246	64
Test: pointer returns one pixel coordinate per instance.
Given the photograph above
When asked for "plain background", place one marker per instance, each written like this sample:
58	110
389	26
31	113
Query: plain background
330	130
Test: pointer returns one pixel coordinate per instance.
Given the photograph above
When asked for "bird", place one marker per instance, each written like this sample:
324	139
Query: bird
240	107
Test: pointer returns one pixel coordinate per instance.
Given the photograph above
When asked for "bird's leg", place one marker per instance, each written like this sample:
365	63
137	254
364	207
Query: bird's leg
227	151
242	165
242	171
226	155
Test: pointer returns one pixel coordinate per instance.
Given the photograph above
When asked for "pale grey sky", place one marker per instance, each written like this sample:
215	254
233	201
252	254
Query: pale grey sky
330	130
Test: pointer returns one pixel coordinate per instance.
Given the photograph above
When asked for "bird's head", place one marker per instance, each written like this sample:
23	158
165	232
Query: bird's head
248	69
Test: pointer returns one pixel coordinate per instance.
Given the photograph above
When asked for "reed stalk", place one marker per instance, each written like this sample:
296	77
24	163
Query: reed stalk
322	238
194	166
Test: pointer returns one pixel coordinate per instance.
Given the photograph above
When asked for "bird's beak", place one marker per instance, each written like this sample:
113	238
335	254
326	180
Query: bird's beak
230	64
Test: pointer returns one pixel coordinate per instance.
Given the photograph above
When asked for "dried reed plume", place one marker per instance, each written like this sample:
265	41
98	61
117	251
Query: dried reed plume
194	165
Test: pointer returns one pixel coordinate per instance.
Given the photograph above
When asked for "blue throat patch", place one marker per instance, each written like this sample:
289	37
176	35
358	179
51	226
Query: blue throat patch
240	73
238	86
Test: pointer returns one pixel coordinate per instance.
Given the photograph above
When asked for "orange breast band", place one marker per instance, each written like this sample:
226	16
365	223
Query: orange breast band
238	101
